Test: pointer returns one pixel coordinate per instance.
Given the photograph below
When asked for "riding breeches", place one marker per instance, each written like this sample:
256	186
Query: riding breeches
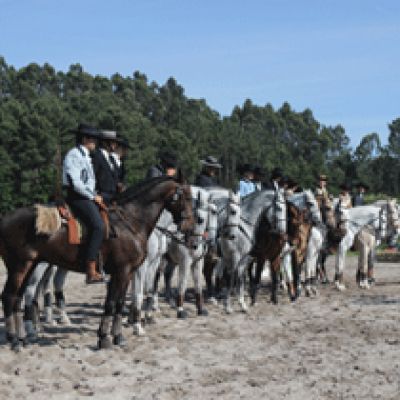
365	244
88	212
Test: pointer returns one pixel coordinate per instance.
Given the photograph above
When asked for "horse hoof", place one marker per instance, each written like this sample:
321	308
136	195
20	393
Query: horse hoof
182	314
32	338
274	300
104	343
138	329
64	319
293	298
202	312
119	340
150	320
228	310
18	344
213	301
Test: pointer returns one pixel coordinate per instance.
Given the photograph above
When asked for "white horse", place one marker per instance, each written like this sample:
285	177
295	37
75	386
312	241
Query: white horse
260	210
366	225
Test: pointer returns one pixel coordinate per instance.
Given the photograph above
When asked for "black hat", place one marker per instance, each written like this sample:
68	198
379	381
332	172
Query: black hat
108	135
243	168
362	185
259	171
211	161
291	183
123	142
168	159
86	130
276	173
345	186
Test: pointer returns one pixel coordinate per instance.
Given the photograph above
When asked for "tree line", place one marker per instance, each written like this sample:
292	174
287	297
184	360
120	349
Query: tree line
39	105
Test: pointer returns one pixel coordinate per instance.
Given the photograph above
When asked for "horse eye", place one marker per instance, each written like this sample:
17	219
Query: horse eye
233	212
213	212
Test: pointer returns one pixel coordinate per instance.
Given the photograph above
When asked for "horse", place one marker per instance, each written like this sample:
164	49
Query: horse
264	225
365	226
133	219
308	240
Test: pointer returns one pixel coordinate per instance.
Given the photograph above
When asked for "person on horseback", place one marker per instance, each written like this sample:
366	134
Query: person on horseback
209	172
358	198
259	177
105	166
80	181
119	156
321	192
344	195
276	178
167	166
246	184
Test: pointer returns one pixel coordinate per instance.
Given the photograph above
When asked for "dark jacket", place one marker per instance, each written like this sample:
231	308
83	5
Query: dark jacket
155	171
204	180
106	177
358	200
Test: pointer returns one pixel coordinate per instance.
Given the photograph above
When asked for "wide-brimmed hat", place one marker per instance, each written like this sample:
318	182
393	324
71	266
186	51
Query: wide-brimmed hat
362	185
123	142
259	171
277	173
108	135
244	168
345	186
211	161
322	177
168	159
86	130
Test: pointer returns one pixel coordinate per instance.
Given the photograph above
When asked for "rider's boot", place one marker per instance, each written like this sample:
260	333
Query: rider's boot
92	276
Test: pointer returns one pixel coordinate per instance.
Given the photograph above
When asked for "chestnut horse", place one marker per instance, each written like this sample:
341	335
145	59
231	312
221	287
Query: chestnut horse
133	219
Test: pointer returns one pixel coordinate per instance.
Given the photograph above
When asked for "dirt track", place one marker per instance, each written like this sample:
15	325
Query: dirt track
336	346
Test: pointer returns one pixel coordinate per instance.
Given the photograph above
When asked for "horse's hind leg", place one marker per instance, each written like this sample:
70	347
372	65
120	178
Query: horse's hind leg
116	329
135	313
59	283
31	313
45	284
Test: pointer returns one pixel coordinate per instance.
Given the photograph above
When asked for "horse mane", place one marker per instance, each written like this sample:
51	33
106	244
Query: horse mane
141	187
255	201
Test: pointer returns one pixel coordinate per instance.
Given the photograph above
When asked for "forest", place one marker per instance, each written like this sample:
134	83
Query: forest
39	106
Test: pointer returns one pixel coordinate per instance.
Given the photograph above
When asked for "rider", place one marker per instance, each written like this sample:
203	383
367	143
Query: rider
276	178
321	192
344	195
80	181
207	177
358	198
246	184
105	167
119	156
258	178
167	166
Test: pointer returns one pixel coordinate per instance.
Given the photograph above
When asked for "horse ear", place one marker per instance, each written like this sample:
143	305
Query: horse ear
179	177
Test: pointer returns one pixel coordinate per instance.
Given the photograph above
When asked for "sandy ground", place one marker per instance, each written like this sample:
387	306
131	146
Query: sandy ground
336	346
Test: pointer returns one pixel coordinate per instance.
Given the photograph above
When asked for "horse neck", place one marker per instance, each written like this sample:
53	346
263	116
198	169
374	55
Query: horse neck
147	209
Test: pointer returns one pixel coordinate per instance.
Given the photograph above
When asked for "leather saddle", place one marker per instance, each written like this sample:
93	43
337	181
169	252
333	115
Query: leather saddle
76	228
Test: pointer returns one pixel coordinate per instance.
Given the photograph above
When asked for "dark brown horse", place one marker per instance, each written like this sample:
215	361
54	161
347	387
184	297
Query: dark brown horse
269	244
133	220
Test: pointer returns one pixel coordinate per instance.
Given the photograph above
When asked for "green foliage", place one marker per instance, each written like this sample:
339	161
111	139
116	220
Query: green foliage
38	106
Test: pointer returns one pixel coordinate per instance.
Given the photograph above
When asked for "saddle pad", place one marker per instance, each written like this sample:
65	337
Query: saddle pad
48	219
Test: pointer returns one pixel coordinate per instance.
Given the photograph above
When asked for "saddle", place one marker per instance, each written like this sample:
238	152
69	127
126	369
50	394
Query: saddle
49	219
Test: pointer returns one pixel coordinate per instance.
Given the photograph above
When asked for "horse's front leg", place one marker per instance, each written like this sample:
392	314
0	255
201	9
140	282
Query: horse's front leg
135	312
197	268
184	267
344	245
275	270
59	283
288	273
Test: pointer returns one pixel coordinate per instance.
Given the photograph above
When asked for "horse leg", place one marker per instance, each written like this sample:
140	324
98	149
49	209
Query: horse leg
243	265
371	261
275	270
116	329
344	245
30	297
168	274
184	267
288	273
47	295
104	331
135	313
197	268
227	283
59	283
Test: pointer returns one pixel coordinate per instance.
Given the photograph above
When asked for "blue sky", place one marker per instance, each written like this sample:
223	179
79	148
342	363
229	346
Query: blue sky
339	58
